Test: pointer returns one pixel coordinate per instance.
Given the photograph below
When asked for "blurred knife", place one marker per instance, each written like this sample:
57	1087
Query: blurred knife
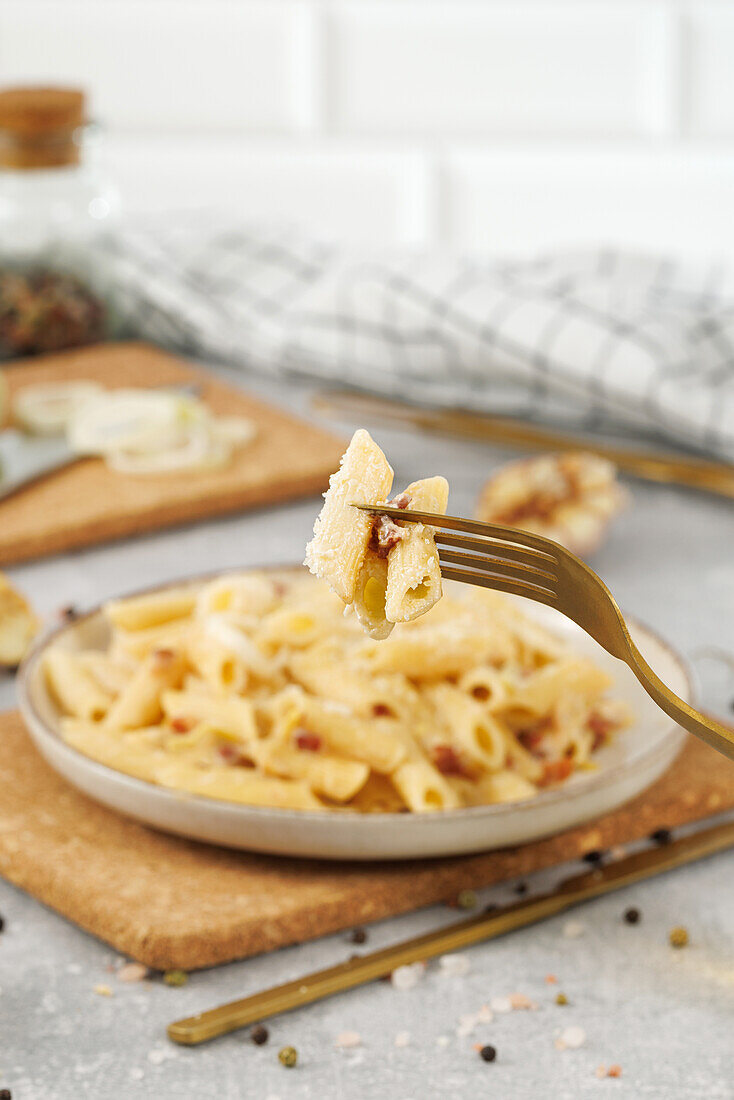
25	458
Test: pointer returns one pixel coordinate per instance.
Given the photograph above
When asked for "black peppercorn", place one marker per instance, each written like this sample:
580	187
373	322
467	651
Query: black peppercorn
632	915
358	935
259	1035
6	1094
521	888
661	836
594	858
488	1054
2	923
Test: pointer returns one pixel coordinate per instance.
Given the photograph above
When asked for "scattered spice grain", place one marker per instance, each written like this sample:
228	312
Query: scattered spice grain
467	899
348	1039
175	977
678	936
288	1057
132	972
595	857
488	1053
571	1038
259	1035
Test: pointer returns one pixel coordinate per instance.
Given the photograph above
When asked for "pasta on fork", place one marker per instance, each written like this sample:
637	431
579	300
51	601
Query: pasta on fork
386	572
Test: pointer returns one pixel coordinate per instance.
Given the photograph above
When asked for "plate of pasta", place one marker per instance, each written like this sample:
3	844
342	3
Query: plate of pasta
249	710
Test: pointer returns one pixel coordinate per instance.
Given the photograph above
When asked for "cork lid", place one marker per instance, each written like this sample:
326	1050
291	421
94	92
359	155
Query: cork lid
38	127
36	111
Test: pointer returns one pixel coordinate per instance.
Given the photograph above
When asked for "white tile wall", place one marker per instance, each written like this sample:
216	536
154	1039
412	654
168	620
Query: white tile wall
506	125
179	64
662	200
711	69
507	68
360	194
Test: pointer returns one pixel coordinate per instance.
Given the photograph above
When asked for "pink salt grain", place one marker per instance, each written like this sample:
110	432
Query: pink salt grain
132	972
348	1039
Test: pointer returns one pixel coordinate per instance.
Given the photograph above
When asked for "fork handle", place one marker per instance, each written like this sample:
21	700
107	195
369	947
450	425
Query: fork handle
705	727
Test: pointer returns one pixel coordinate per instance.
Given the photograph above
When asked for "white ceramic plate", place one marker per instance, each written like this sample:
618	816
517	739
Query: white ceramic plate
634	760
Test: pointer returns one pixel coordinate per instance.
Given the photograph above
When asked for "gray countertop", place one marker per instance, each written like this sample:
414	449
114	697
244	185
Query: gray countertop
665	1016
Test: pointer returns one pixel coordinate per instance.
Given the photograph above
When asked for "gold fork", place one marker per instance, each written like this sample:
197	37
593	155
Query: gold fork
530	565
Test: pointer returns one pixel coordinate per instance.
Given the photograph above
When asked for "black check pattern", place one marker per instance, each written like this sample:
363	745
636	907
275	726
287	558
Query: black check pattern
599	341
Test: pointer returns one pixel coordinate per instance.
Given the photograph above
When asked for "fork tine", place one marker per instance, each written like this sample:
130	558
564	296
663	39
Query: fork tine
499	565
501	584
488	545
469	526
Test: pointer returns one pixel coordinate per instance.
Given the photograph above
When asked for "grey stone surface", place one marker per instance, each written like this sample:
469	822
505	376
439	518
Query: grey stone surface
665	1016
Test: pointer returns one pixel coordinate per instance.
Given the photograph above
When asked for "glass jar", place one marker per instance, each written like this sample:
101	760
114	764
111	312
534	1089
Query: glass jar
55	289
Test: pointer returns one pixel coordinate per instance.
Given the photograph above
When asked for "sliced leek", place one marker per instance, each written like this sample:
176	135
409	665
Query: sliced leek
137	431
48	409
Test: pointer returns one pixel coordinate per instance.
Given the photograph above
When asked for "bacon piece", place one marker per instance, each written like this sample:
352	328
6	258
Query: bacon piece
556	771
385	535
531	737
448	761
182	725
308	741
600	728
231	754
163	658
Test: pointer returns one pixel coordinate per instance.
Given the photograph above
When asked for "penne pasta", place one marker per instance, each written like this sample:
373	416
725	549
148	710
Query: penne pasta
139	702
331	776
423	787
229	713
73	687
342	532
152	609
414	572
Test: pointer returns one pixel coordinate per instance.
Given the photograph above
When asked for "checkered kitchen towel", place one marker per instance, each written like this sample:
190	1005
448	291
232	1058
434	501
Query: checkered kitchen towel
600	341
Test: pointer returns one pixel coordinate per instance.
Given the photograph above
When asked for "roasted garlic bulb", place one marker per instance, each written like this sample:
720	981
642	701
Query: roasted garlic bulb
568	497
18	624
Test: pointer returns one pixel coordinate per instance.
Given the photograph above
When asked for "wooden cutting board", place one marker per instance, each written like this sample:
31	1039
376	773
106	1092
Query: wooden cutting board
88	503
175	903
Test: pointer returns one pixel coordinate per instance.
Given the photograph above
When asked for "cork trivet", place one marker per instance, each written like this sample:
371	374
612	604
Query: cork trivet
176	903
88	503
